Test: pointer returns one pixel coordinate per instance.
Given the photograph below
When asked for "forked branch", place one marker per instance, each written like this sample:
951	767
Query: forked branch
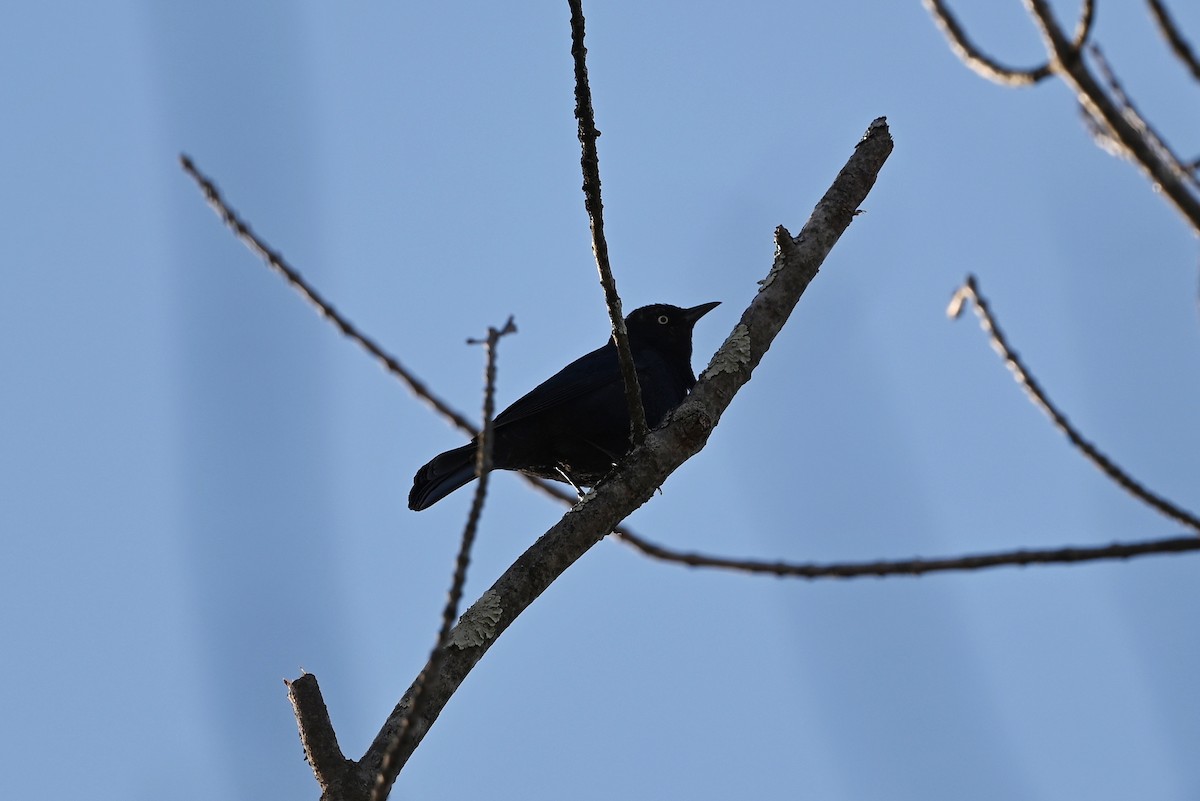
1120	131
635	479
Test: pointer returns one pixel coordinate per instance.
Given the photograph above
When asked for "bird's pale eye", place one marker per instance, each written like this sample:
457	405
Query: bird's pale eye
662	319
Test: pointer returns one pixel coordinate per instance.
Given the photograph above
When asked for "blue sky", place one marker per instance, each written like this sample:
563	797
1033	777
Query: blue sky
202	487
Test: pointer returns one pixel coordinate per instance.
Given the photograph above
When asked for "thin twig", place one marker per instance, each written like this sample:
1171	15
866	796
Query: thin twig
1083	27
1108	141
982	64
1170	32
969	291
988	67
403	736
885	568
276	262
590	162
920	566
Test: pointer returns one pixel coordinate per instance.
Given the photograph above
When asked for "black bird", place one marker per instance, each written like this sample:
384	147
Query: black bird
575	425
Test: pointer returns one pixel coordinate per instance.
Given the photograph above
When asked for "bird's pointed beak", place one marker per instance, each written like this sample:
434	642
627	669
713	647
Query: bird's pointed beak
696	312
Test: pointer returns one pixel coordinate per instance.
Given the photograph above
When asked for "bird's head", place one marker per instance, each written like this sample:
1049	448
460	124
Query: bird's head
665	326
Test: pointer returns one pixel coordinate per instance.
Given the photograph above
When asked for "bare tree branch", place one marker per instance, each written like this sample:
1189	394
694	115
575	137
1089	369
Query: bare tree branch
1108	141
969	291
920	566
338	776
590	161
885	568
276	262
334	772
1083	27
1170	32
634	481
989	68
1067	62
1168	175
404	734
982	64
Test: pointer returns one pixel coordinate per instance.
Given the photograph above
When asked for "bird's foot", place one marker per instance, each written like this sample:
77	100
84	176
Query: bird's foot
567	478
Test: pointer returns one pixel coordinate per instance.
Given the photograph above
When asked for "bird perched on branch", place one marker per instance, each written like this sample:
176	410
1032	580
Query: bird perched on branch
575	425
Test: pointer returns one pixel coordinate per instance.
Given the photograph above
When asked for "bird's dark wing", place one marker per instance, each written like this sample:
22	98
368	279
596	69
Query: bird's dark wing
583	376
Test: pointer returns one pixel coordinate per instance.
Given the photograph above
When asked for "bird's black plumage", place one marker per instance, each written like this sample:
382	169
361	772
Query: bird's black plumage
575	425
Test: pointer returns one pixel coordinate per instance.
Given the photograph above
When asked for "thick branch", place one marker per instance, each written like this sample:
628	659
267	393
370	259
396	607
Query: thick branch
633	482
335	774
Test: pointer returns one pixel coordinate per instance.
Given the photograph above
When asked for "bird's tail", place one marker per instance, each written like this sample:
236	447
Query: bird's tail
445	473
